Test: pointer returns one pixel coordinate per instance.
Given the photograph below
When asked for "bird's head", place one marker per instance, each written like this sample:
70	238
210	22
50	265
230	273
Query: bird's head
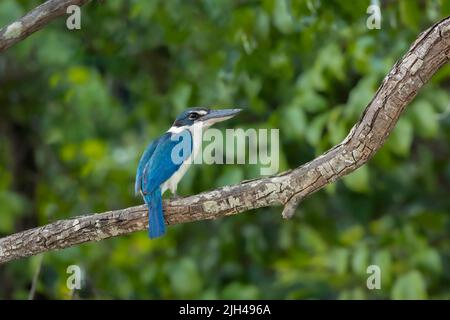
204	116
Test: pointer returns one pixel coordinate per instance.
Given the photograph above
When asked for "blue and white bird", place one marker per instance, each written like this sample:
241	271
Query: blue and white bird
166	160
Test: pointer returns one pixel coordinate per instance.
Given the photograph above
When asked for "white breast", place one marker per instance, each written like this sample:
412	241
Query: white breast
197	133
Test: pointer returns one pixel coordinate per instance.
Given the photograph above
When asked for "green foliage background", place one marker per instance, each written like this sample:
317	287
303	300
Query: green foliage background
77	108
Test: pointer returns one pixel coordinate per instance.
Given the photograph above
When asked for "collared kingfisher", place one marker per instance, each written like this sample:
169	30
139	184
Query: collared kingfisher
166	160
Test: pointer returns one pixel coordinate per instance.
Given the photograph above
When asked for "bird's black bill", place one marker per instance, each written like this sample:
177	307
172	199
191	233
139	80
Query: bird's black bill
220	115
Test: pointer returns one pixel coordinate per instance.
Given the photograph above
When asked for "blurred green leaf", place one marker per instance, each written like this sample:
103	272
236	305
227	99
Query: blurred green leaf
315	131
311	240
428	259
352	235
410	13
383	259
410	286
360	260
339	260
185	278
425	118
237	290
294	121
358	180
282	16
401	137
230	176
11	207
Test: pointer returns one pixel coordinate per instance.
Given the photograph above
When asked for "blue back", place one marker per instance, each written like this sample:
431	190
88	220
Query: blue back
142	162
157	164
162	158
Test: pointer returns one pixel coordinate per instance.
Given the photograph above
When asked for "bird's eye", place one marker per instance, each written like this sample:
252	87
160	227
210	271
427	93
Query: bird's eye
193	116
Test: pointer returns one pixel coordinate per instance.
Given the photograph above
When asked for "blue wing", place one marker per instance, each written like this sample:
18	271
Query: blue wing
166	159
159	162
142	162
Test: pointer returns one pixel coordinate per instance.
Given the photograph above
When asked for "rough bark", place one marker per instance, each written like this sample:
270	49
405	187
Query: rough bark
428	53
34	21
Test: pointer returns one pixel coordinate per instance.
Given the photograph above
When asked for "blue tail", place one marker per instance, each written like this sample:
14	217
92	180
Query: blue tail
156	226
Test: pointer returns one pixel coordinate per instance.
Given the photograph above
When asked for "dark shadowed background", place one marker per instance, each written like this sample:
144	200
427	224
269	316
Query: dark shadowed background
77	108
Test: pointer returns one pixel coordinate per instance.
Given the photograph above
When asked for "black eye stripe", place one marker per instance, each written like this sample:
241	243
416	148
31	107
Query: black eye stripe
193	115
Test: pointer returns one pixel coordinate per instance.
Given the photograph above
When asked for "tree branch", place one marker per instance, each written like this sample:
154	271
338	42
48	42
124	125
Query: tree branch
428	53
34	21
